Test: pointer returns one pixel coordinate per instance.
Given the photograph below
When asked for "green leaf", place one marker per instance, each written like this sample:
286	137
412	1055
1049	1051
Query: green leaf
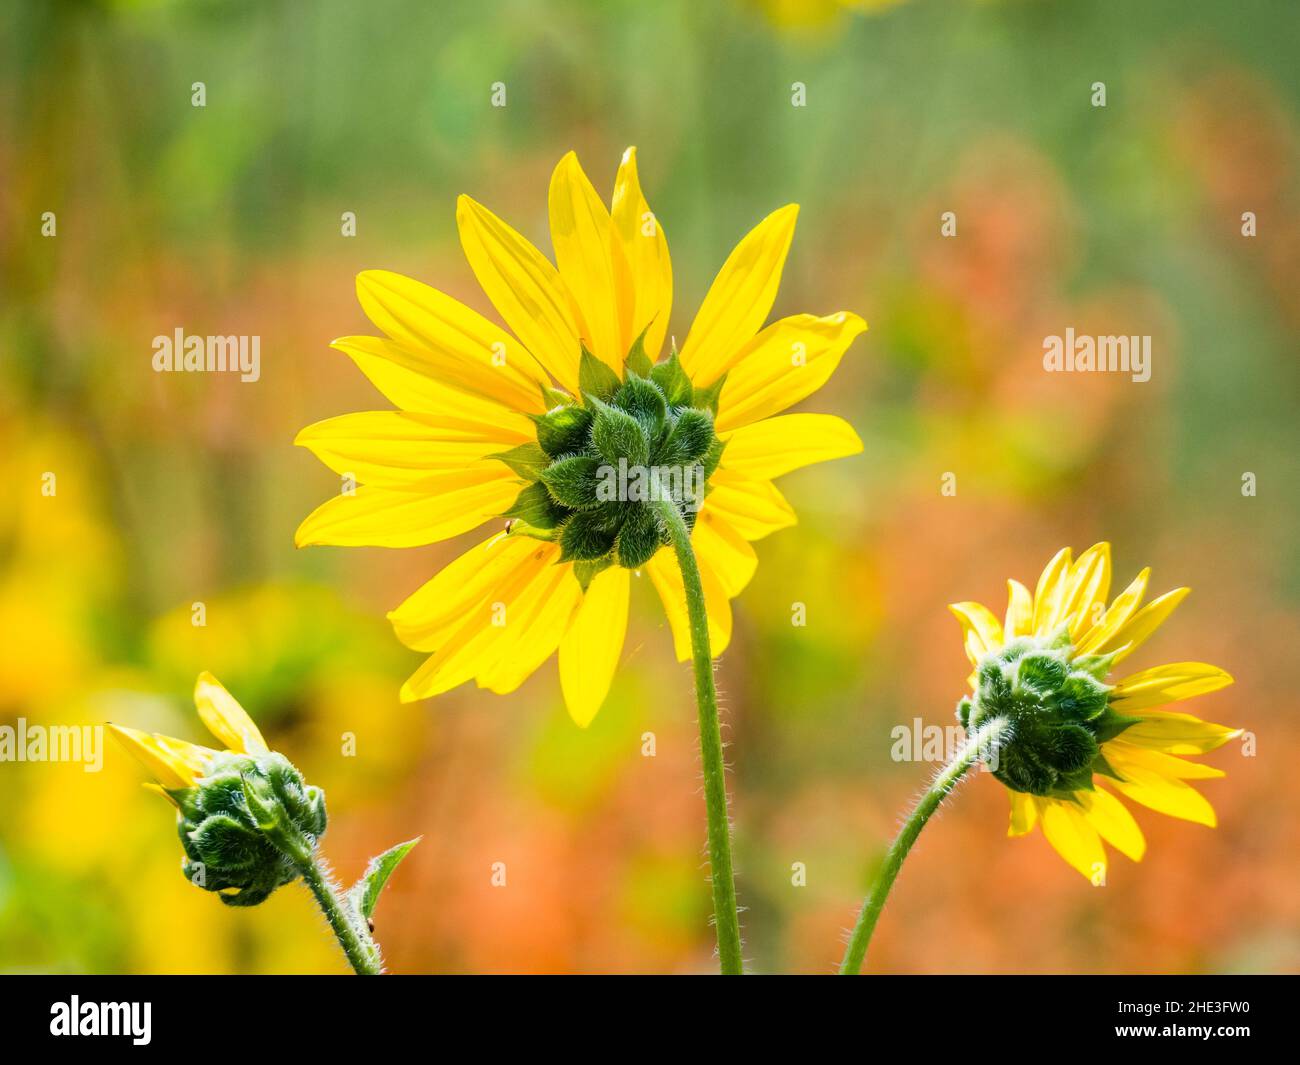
527	460
707	398
643	400
1110	724
535	507
638	539
1100	765
616	434
691	438
673	382
223	843
365	892
608	514
187	801
584	540
713	456
595	378
1097	666
1073	748
637	360
563	430
1082	697
1060	639
586	571
573	481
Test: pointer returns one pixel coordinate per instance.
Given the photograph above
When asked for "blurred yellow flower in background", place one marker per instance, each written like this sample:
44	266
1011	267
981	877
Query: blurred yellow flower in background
1044	667
495	425
58	550
797	15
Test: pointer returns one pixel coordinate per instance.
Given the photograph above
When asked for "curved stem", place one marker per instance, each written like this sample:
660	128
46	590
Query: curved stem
725	916
975	746
357	945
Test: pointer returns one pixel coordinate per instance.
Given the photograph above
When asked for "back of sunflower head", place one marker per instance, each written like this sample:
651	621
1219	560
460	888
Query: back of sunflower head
1058	709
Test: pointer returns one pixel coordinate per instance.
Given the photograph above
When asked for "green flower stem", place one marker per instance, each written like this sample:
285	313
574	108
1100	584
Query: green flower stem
726	917
360	949
976	743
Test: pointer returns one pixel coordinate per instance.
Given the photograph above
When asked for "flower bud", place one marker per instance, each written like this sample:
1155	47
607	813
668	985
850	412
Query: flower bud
1058	710
248	825
247	821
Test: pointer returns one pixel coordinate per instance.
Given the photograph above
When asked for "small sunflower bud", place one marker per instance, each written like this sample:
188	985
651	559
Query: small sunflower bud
248	825
1058	710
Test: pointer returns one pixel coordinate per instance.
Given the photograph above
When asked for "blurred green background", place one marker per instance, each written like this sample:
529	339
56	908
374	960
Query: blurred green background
180	488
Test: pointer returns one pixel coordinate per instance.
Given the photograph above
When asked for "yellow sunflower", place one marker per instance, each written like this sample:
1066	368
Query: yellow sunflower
1072	735
543	429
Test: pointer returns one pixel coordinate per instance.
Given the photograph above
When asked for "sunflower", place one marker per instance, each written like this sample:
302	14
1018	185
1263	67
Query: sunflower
538	429
1072	735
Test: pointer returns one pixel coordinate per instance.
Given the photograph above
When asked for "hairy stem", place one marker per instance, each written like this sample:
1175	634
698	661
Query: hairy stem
976	744
360	949
726	918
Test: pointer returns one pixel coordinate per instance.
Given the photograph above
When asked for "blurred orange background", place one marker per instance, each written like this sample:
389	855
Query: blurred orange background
183	488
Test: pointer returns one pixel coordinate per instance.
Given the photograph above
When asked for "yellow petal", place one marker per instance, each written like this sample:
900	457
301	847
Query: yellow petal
1167	684
1164	730
592	263
160	791
1087	588
422	383
1020	611
667	579
225	718
396	449
1047	595
441	605
724	550
750	505
1024	814
534	626
646	251
1120	753
193	756
775	446
740	297
1119	612
786	362
1166	795
1075	839
438	335
169	770
1133	633
982	631
1113	822
475	643
525	289
591	647
405	379
449	504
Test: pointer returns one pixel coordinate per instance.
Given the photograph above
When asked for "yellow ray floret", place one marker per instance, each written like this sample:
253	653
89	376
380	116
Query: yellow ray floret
179	764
